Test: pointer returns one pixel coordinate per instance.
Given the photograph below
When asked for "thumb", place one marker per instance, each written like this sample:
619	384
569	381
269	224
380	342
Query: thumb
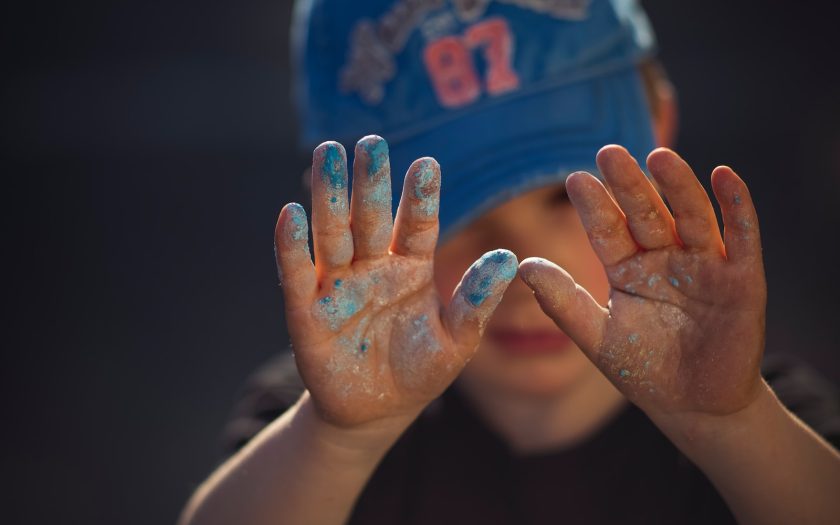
476	298
566	302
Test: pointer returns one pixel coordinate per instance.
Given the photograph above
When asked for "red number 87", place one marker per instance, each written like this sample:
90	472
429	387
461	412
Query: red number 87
450	64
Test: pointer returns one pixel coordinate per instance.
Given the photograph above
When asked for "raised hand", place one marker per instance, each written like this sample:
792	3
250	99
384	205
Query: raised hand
371	338
684	328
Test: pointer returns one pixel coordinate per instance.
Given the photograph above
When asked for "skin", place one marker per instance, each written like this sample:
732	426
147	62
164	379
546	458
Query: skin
680	333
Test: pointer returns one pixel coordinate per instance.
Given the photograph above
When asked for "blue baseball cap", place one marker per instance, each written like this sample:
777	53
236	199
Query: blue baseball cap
507	95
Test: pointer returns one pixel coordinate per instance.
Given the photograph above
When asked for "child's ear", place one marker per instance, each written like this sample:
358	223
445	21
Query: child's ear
666	115
662	100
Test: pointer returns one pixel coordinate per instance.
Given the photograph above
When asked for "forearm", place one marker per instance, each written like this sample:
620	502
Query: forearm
299	470
768	465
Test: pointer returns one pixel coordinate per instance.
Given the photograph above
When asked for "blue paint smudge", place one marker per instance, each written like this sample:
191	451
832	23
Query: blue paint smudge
339	307
487	273
334	168
377	152
338	283
688	279
333	199
426	188
365	345
299	228
633	338
674	282
736	198
624	372
653	279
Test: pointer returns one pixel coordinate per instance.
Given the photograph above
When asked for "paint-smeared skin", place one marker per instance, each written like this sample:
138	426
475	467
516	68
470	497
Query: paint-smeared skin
371	337
683	332
492	269
426	187
298	229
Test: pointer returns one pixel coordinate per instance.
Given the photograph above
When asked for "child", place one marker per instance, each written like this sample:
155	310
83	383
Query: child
654	307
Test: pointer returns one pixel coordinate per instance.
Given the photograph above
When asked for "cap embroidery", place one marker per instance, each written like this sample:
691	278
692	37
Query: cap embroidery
374	45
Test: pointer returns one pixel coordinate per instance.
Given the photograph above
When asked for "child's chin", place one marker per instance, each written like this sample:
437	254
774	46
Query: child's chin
535	377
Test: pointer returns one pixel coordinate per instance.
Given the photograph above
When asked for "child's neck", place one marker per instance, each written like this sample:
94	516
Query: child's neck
531	425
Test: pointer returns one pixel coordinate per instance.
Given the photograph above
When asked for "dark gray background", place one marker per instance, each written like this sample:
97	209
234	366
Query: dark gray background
147	147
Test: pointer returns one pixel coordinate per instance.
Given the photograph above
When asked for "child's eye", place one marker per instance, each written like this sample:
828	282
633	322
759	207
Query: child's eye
556	198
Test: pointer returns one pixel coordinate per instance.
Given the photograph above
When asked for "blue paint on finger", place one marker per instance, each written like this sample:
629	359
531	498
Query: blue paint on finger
426	185
633	338
298	227
485	276
674	282
377	153
334	167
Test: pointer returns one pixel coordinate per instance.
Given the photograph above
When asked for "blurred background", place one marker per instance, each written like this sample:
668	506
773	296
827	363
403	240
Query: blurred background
146	150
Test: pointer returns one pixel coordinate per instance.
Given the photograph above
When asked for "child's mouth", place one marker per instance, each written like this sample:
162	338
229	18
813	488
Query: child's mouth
529	342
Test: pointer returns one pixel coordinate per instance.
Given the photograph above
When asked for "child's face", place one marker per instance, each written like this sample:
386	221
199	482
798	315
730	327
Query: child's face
523	352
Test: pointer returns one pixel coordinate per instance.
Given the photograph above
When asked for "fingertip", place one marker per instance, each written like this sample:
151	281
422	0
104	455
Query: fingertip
373	151
530	266
423	184
424	164
292	225
577	182
724	171
610	154
329	161
728	186
660	158
542	275
370	140
612	149
488	276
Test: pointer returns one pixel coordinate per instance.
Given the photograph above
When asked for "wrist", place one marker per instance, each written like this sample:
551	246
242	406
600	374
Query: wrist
695	432
365	441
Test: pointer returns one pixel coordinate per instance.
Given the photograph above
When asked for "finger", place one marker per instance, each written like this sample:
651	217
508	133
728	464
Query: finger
695	218
294	262
371	220
603	220
567	303
740	222
648	218
476	298
416	225
330	219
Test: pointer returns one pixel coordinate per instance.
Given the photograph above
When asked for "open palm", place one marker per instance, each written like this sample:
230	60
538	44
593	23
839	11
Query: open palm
370	336
684	328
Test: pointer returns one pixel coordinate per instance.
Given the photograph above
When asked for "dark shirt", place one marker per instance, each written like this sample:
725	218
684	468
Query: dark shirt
449	467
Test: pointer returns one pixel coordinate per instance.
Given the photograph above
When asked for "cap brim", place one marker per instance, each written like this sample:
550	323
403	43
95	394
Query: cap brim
529	141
